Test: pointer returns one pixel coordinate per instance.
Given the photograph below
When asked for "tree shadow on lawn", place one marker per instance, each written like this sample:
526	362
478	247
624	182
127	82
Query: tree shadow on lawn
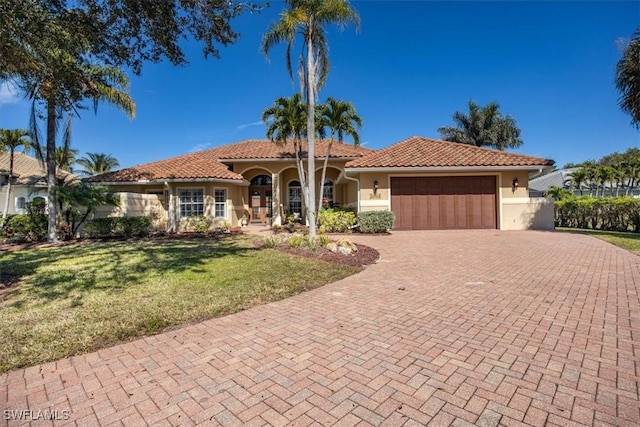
55	273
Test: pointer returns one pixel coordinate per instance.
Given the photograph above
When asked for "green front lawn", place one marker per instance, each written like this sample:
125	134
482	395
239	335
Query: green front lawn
628	241
75	299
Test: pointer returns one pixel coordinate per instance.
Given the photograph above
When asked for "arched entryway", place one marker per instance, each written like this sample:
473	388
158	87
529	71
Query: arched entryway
261	198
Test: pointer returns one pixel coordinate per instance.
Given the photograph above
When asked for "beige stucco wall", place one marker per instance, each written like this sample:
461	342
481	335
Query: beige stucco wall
371	199
527	214
506	184
350	194
136	204
17	191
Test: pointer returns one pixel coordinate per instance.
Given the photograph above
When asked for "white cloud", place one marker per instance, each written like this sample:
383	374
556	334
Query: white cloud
8	93
246	125
200	147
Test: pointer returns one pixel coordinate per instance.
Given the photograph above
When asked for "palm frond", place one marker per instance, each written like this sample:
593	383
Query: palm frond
34	129
627	79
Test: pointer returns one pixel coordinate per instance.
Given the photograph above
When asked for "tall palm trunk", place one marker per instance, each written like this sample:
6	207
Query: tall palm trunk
51	171
324	172
303	180
311	134
8	195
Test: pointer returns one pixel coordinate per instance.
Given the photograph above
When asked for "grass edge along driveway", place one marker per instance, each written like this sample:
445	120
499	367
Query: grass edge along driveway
76	299
624	240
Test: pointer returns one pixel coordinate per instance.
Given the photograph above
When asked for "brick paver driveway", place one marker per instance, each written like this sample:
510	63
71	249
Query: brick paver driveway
449	328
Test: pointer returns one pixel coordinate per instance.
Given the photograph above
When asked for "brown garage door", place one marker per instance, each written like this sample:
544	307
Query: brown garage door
443	203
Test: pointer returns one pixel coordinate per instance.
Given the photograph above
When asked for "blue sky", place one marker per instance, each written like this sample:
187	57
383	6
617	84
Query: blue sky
549	64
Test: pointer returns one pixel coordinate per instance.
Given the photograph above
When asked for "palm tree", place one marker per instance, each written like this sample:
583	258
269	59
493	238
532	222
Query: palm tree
100	83
628	79
342	119
483	127
65	158
578	177
630	165
308	18
97	164
557	193
11	139
591	172
286	121
607	175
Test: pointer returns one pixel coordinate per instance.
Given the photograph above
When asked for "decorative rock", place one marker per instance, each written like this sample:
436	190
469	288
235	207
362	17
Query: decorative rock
344	250
332	246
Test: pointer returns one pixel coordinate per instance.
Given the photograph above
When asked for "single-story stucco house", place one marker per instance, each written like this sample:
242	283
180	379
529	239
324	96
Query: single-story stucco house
29	181
427	183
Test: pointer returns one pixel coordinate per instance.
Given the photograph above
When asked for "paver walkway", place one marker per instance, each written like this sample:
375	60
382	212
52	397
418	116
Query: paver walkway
449	328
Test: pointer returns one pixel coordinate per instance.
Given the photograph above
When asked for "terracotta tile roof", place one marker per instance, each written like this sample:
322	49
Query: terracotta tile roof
205	164
267	149
189	166
28	170
418	151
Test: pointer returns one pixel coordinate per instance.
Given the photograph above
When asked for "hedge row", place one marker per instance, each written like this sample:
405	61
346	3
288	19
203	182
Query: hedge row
611	214
376	221
127	226
340	220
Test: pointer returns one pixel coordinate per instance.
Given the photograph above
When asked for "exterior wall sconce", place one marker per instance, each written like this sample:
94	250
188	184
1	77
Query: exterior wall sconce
375	186
514	184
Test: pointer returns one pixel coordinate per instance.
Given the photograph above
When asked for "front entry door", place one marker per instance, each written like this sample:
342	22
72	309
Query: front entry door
261	203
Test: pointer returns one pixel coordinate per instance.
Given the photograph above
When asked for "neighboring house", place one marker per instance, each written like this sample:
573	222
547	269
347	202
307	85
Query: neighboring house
427	183
559	178
29	181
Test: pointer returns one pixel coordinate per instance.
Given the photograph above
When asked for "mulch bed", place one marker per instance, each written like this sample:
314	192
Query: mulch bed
364	256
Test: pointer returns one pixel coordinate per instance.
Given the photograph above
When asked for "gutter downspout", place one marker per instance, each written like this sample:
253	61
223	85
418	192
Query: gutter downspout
357	189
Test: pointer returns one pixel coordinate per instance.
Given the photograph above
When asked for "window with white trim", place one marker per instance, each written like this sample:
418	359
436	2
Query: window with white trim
21	203
220	201
191	202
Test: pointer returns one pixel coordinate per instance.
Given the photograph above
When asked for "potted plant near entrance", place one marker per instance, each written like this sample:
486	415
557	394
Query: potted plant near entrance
244	220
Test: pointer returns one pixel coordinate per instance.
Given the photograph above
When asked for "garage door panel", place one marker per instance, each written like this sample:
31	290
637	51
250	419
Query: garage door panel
444	202
489	211
421	212
404	212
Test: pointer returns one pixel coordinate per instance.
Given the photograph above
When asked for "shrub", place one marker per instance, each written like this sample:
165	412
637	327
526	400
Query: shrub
324	240
127	226
275	240
301	241
375	221
611	214
196	224
336	220
135	226
31	226
98	227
